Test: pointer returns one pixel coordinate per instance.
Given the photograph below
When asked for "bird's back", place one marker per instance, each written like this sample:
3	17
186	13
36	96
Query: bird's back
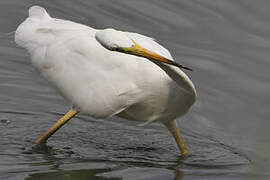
40	29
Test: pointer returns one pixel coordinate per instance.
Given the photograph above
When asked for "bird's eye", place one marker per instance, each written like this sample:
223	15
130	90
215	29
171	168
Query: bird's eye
117	49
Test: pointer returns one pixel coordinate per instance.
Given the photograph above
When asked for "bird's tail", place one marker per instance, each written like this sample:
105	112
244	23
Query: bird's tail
26	33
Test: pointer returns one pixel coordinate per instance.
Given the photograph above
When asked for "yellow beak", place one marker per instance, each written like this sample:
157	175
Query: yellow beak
140	51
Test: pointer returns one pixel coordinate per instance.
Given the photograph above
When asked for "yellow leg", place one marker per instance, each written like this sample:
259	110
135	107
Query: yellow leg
43	138
173	128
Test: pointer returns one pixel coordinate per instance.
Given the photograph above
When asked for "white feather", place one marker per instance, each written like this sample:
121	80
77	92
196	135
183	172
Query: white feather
101	82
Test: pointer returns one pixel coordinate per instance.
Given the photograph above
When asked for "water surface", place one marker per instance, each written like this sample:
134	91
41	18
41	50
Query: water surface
227	44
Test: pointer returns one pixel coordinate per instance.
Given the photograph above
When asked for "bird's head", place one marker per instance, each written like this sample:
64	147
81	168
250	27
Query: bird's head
119	41
113	40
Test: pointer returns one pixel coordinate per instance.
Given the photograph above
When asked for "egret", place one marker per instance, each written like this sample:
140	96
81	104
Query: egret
107	72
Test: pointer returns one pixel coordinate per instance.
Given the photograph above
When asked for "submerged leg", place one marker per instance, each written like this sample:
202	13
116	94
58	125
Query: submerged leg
173	128
43	138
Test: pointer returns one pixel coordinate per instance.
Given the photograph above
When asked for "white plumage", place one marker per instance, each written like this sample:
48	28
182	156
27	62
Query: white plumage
84	65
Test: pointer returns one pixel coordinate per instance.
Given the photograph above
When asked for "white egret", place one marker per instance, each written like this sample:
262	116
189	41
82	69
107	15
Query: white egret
107	72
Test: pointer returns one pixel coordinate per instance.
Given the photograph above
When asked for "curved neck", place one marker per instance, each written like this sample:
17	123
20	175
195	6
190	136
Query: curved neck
179	77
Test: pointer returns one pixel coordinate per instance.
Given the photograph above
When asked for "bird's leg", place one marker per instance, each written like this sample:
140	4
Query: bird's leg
43	138
173	128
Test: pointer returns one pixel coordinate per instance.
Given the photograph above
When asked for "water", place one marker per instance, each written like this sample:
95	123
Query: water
227	44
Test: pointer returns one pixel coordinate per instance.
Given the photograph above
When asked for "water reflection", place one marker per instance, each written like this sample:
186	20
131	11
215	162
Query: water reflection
89	174
78	169
179	175
70	175
62	164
